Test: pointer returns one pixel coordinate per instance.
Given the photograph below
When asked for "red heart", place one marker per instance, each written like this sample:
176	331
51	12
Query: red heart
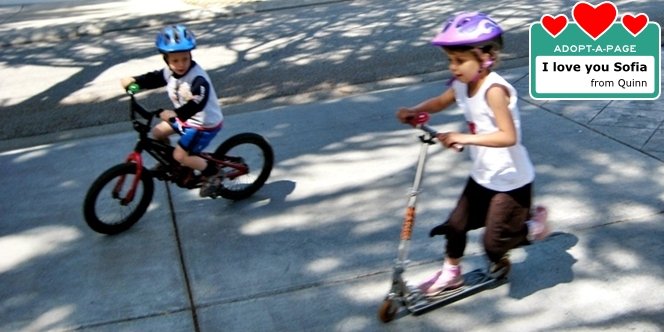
554	25
594	20
635	24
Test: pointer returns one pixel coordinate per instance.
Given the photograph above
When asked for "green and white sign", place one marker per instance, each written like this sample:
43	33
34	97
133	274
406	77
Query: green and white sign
588	60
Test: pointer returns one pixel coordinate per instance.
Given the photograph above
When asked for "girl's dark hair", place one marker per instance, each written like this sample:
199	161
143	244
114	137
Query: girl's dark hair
492	47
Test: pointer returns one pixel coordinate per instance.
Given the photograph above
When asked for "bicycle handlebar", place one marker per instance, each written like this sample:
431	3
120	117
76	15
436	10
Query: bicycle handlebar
420	121
134	88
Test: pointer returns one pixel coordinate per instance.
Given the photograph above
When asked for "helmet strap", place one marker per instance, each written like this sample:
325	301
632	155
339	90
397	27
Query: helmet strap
485	64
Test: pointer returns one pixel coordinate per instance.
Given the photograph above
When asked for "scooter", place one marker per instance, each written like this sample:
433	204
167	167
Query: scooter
403	295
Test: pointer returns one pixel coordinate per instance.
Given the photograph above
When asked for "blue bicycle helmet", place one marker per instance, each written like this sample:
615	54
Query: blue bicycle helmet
175	38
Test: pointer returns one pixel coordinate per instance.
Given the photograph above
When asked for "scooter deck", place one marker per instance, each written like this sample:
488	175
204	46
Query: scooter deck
474	282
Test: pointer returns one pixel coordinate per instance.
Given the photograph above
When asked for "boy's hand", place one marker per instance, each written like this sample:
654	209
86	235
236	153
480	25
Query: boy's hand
125	81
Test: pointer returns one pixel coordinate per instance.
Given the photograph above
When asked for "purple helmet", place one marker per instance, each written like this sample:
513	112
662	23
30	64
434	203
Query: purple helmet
468	29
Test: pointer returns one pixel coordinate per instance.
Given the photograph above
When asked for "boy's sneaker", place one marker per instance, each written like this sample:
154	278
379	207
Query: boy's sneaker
448	278
211	184
501	269
538	226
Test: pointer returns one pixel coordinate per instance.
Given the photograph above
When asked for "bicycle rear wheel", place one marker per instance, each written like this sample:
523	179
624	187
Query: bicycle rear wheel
106	208
251	150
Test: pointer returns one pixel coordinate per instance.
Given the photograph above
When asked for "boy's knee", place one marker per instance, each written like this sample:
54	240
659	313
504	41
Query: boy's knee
180	155
162	131
159	134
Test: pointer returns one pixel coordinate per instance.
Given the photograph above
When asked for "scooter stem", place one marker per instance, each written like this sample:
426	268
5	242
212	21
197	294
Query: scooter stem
409	218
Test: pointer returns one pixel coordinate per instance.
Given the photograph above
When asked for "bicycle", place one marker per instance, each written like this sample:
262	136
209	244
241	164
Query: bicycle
120	196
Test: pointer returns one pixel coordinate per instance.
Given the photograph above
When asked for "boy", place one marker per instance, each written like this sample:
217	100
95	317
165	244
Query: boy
197	114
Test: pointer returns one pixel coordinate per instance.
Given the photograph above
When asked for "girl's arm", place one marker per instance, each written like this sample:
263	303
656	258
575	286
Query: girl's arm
433	105
497	98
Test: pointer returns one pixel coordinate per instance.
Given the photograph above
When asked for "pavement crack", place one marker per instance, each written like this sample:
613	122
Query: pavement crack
183	263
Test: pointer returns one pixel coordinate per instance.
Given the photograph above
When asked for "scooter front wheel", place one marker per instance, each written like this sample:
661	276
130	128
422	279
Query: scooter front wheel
388	310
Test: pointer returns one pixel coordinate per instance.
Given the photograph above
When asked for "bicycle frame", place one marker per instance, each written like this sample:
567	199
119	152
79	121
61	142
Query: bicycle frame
161	152
156	149
135	156
122	194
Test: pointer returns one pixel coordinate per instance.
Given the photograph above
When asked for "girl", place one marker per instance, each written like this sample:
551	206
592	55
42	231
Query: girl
498	192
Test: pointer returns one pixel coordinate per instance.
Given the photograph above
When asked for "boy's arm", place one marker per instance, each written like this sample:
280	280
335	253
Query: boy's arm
432	105
152	80
200	88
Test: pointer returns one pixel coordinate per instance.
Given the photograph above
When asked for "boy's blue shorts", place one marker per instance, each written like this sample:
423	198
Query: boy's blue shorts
194	140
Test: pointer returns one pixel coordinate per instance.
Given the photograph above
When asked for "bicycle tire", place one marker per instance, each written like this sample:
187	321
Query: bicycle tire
121	217
255	152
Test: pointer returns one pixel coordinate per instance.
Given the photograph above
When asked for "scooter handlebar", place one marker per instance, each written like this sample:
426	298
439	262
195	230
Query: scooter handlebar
420	121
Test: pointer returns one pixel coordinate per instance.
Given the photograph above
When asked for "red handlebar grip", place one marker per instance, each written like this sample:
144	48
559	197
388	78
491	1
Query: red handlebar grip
420	118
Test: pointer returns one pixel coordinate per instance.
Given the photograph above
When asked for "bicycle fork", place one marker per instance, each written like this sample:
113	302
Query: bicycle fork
135	158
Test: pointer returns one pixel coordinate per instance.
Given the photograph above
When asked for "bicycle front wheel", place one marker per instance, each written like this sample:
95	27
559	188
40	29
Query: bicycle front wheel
108	208
255	154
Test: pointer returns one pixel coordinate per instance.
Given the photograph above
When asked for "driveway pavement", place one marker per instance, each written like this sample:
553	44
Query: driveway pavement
313	250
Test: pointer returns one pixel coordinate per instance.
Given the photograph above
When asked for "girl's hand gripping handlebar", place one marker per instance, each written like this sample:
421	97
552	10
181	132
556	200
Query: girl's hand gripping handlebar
420	121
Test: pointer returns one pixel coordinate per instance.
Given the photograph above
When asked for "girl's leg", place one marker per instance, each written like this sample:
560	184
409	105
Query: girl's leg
506	222
454	229
469	214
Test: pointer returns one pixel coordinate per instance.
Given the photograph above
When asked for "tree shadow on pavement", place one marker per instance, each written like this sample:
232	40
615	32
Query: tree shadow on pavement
314	248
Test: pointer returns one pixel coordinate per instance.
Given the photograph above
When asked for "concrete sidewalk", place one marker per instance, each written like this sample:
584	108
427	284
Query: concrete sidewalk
313	250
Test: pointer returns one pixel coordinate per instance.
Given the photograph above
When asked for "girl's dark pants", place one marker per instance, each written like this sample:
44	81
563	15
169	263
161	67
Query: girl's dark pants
502	213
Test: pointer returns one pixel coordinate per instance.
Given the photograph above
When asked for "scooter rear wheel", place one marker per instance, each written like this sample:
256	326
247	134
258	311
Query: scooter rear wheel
388	310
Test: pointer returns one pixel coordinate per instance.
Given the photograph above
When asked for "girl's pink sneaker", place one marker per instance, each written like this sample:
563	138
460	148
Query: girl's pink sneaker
538	226
448	278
